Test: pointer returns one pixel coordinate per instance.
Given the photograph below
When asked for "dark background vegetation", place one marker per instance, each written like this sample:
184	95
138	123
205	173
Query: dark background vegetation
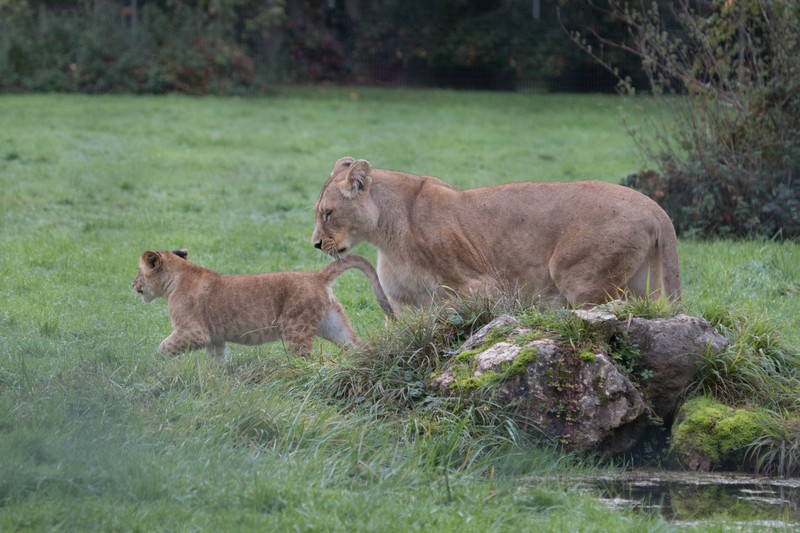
224	46
725	166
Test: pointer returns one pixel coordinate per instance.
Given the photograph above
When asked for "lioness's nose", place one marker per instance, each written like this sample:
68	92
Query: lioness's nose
318	245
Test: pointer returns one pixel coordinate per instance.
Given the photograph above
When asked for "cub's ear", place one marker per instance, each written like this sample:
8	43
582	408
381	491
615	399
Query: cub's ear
342	164
151	259
358	179
183	253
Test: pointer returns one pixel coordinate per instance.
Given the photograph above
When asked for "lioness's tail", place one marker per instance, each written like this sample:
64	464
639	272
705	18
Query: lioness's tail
668	250
332	271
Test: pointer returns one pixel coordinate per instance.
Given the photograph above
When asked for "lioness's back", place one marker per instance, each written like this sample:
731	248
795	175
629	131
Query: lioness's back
578	243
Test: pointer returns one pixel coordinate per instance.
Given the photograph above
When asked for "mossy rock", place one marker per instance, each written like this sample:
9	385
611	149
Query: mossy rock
469	377
709	435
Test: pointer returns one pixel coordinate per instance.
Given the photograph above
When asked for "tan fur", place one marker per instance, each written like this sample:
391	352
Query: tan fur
578	243
208	309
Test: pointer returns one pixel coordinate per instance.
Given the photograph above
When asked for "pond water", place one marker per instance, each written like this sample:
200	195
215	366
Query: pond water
690	497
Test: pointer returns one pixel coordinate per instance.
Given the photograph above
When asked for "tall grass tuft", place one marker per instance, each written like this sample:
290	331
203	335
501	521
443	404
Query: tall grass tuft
756	367
777	453
392	367
389	375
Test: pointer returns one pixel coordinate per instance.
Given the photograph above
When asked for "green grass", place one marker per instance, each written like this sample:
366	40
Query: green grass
97	432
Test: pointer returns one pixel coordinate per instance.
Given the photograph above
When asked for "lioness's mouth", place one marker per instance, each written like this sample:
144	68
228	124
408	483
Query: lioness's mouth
336	254
334	251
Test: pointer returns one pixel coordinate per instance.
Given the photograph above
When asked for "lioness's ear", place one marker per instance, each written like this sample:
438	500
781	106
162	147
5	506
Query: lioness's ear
183	253
151	259
342	164
358	178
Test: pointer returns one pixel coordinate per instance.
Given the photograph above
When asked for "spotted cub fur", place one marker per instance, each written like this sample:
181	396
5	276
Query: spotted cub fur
208	310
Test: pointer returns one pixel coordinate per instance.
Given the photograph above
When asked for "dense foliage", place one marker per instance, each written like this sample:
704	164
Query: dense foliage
220	46
731	166
106	46
484	45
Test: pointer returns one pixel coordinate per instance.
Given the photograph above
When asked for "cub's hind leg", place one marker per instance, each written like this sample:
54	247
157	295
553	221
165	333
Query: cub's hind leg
298	330
335	326
299	341
304	320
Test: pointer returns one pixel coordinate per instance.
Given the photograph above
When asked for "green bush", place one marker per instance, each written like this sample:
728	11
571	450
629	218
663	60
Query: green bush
91	47
731	167
706	199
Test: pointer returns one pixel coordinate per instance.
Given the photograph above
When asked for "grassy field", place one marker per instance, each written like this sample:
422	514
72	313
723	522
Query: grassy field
99	433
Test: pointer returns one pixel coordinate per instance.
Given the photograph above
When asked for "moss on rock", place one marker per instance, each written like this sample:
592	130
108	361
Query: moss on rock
464	369
711	435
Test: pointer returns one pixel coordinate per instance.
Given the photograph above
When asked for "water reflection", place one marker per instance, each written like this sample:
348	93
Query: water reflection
690	496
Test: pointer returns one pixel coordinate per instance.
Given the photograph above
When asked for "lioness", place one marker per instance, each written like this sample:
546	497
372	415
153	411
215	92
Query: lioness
568	243
208	309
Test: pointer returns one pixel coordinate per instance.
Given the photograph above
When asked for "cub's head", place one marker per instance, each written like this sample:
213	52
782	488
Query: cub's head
345	211
153	276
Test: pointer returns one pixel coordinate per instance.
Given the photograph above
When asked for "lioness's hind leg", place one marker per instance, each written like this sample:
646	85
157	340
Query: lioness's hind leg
648	280
588	275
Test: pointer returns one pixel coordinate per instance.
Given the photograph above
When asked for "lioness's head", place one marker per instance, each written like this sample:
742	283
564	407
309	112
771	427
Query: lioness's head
345	211
151	278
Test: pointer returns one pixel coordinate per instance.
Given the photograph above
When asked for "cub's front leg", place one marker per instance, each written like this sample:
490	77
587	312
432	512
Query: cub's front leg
180	341
217	351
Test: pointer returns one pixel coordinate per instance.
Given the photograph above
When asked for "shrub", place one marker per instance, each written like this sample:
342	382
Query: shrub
729	164
711	201
448	43
314	53
95	47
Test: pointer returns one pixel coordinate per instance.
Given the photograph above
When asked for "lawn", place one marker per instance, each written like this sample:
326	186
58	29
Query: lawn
98	432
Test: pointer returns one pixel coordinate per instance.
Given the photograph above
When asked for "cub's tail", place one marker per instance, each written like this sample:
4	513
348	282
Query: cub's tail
332	271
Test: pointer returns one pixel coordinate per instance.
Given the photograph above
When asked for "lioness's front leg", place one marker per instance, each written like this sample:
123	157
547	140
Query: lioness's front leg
180	341
405	285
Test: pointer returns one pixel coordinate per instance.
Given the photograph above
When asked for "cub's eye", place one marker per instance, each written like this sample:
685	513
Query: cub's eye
327	215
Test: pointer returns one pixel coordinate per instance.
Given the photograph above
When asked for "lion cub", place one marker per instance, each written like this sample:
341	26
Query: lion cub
208	309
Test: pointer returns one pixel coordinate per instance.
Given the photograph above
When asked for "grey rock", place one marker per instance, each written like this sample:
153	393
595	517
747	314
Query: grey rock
672	349
588	403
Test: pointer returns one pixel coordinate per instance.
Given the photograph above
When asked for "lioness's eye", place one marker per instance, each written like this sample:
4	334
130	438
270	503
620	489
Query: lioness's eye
327	215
